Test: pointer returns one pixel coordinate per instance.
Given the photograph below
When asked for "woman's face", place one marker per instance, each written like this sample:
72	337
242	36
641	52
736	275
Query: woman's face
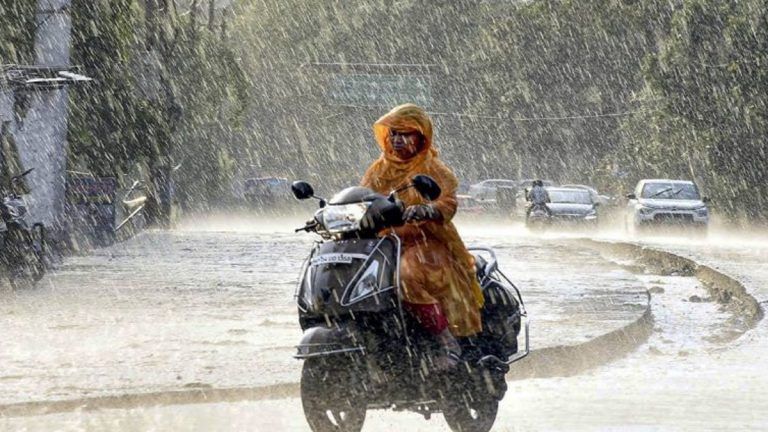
406	144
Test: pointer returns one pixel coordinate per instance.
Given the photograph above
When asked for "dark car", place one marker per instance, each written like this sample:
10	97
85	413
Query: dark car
572	205
596	196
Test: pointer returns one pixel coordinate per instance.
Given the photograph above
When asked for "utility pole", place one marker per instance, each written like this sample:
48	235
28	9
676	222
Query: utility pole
211	15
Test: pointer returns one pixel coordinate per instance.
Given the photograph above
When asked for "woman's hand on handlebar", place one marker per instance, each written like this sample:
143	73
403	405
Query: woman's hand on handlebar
421	213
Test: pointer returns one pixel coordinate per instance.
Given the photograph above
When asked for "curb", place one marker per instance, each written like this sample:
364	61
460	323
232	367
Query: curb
723	289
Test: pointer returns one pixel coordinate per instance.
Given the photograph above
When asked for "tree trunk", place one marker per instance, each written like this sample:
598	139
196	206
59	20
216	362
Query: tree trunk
193	17
224	16
150	22
211	14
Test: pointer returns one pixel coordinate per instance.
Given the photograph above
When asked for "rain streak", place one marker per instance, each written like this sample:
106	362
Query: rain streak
464	215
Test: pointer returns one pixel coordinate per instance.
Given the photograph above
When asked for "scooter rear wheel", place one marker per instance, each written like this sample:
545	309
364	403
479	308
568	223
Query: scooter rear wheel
468	405
466	415
331	396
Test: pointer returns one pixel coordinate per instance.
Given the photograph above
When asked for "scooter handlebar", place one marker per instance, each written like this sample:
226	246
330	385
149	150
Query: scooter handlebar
310	226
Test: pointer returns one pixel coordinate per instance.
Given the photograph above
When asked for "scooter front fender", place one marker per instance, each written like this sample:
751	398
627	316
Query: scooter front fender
327	341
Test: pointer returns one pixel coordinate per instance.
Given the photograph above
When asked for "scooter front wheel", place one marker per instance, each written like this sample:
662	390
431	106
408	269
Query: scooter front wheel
331	396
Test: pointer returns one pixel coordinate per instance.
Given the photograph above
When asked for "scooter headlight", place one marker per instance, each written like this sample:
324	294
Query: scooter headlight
306	301
367	285
344	218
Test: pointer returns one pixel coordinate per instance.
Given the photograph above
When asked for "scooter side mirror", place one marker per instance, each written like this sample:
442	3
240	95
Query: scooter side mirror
302	190
426	186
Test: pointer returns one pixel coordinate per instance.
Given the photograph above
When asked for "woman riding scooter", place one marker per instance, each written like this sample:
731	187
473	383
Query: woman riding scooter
440	288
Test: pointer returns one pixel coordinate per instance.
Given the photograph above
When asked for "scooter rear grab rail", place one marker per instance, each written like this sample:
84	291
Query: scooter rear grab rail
517	357
492	266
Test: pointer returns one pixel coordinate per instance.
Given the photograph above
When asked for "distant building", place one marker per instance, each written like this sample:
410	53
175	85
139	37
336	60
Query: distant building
35	100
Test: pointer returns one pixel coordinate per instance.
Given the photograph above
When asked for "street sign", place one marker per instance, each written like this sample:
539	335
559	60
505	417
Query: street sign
41	77
380	90
93	201
91	190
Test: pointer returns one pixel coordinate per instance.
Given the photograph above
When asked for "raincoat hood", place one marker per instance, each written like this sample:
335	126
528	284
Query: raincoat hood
407	117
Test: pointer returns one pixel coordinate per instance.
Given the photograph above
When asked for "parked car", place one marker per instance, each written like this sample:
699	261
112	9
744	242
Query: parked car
469	206
569	205
596	197
486	190
463	187
661	202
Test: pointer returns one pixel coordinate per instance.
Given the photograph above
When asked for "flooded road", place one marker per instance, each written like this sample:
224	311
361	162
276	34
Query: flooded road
127	337
202	309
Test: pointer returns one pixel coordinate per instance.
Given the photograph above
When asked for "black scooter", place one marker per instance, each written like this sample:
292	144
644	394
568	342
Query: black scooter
362	351
22	243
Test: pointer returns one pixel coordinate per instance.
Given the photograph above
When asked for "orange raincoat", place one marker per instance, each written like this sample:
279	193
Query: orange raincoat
436	267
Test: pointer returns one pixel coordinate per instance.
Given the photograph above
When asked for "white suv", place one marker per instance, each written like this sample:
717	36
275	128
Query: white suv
658	202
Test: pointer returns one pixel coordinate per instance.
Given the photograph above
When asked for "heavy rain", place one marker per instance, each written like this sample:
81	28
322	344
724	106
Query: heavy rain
463	215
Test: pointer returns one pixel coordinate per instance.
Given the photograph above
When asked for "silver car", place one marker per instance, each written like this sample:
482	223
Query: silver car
486	189
661	202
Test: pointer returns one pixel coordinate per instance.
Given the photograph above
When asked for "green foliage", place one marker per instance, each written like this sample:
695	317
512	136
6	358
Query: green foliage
162	95
711	79
496	66
506	80
212	93
522	88
108	121
17	31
